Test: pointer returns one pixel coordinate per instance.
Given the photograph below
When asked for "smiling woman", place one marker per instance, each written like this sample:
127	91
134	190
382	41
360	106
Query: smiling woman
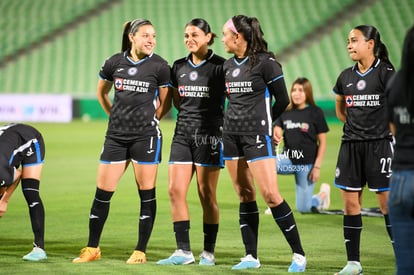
140	79
198	83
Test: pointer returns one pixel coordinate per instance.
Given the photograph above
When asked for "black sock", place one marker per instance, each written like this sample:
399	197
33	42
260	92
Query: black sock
30	188
182	235
210	236
249	226
146	217
284	218
352	236
99	213
388	226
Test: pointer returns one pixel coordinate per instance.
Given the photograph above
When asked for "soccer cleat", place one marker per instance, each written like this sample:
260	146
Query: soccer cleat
88	254
325	195
37	254
268	211
207	258
247	262
351	268
138	257
298	263
179	257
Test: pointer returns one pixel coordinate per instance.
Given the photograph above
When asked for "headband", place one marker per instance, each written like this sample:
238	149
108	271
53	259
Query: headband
138	22
230	25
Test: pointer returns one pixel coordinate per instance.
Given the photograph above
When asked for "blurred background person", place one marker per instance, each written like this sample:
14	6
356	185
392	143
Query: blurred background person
400	103
302	128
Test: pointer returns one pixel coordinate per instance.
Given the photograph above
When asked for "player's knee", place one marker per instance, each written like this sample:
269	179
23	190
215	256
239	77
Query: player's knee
30	188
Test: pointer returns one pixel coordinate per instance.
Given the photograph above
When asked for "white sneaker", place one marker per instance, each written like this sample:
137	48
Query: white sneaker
247	262
325	195
207	258
351	268
298	263
37	254
179	257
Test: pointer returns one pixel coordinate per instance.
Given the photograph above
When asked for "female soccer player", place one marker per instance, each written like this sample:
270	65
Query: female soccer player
304	129
400	96
140	79
253	77
365	153
22	145
198	80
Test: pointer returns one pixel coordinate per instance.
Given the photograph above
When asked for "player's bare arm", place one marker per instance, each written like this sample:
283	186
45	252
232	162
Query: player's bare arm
176	98
165	100
7	192
340	108
103	89
277	134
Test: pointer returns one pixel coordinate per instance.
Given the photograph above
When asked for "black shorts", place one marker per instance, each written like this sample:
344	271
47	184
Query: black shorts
144	150
28	154
203	151
364	162
250	147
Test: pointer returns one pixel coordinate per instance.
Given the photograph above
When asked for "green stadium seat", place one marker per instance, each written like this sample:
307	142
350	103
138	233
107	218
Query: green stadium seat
70	63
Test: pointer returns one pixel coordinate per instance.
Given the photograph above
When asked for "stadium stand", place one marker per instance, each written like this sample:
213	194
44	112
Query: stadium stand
322	61
24	22
68	62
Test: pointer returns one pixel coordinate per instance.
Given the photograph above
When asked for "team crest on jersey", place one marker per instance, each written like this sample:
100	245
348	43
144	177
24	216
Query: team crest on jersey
181	90
132	71
227	87
119	82
236	72
361	85
349	101
193	76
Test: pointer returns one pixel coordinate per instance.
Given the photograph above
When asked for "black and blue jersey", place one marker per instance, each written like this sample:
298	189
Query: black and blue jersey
364	95
201	91
136	90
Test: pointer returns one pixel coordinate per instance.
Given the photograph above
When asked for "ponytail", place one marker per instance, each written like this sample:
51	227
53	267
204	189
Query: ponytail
126	43
380	50
382	53
132	27
252	32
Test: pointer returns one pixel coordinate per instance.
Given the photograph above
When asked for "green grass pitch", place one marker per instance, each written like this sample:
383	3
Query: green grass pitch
68	186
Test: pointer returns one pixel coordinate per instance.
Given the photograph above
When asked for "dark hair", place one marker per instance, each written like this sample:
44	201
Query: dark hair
250	28
132	27
307	87
204	26
380	50
407	69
